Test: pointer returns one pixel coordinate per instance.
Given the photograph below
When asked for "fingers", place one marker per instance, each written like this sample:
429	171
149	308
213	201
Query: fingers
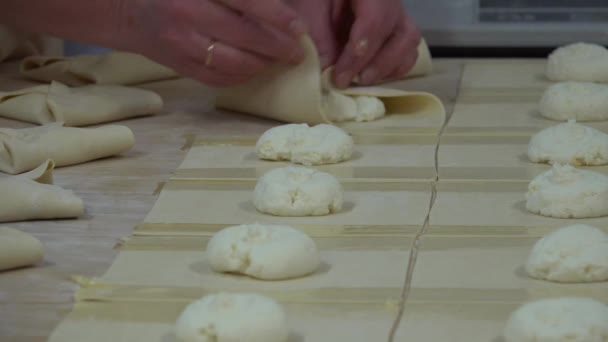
396	58
274	12
223	24
374	23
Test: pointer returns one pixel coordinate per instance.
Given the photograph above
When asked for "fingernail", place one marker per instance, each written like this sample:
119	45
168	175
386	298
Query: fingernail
343	80
369	75
298	27
361	47
325	61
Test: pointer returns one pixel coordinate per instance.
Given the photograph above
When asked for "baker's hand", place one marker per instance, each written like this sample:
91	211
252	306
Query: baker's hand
219	42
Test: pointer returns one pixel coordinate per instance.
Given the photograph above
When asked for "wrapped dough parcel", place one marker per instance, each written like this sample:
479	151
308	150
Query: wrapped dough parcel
302	94
18	249
15	44
120	68
24	149
31	196
82	106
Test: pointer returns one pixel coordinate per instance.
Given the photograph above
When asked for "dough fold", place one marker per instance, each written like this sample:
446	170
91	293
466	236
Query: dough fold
82	106
112	68
14	44
300	94
31	196
18	249
22	150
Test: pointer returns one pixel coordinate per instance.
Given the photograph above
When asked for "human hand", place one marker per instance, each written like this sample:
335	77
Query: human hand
372	39
245	38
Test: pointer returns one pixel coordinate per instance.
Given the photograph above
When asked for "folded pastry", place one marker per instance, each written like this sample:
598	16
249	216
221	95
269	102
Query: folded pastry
18	249
81	106
112	68
303	94
14	44
28	197
24	149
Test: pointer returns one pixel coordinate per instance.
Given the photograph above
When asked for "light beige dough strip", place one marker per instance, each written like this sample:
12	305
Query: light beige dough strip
81	106
112	68
297	94
18	249
31	196
24	149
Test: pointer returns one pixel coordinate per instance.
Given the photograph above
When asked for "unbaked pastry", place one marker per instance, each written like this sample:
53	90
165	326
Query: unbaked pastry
15	44
78	106
24	149
267	252
302	144
298	191
567	192
566	319
27	197
120	68
233	317
569	143
18	249
579	62
573	254
575	101
302	94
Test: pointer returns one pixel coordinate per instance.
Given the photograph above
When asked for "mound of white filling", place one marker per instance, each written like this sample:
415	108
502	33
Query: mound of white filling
575	101
301	144
340	108
567	319
233	317
579	62
573	254
567	192
569	143
267	252
298	191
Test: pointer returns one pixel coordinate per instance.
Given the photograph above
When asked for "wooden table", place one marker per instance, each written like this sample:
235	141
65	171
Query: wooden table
119	192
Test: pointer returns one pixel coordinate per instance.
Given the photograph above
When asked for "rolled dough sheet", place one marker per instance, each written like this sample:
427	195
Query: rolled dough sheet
195	202
506	116
296	94
509	75
412	159
446	263
492	205
112	68
488	158
30	196
15	44
82	106
24	149
18	249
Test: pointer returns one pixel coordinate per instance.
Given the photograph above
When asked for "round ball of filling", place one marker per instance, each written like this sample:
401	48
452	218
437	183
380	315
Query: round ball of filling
573	254
268	252
567	192
298	191
575	101
569	143
233	317
579	62
301	144
559	320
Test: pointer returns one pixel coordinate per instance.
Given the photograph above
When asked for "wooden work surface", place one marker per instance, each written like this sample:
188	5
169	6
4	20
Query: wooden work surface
119	192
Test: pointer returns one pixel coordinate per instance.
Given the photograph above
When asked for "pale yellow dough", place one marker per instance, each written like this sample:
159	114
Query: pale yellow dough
82	106
24	149
299	94
18	249
112	68
31	196
15	44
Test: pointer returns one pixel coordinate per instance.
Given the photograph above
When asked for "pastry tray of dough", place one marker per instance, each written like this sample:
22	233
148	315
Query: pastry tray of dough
469	274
